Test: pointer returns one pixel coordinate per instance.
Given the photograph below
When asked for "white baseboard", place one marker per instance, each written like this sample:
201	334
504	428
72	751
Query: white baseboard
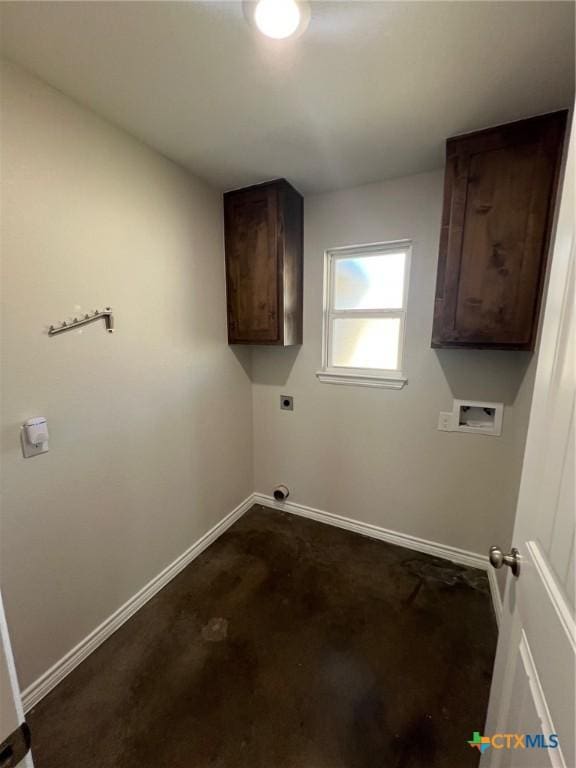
454	554
46	682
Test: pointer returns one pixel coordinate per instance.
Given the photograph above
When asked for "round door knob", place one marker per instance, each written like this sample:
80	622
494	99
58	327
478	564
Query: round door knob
496	557
512	560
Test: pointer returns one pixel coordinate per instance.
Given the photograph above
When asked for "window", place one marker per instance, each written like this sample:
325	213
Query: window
365	292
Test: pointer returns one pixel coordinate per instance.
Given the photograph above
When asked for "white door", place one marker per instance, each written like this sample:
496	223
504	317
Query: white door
12	744
533	688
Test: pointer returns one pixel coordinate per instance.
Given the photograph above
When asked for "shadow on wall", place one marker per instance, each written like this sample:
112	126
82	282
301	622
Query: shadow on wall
478	374
244	357
272	365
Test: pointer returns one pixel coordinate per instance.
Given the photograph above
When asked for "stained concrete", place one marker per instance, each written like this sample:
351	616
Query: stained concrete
286	644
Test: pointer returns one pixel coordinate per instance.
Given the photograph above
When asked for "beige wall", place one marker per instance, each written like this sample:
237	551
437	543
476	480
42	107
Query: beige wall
150	427
376	455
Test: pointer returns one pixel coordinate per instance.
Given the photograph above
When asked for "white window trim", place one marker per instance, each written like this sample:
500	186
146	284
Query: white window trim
366	377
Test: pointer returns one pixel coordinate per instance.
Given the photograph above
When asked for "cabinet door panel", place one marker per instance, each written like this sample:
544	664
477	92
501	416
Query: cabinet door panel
252	267
501	244
498	204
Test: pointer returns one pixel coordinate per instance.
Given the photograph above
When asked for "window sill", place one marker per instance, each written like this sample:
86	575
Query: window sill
362	379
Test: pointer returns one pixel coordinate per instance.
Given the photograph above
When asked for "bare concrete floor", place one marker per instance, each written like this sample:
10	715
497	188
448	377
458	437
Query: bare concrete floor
287	644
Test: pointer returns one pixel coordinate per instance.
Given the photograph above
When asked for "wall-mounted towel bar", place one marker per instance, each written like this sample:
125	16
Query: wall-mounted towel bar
78	322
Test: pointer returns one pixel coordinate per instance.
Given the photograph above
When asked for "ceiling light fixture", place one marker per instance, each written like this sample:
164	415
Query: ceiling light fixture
277	18
280	19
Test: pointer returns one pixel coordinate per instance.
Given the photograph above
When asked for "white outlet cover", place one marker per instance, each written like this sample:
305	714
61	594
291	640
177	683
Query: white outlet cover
445	421
29	450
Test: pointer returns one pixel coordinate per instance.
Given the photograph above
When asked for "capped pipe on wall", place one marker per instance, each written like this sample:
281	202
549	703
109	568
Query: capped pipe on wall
281	493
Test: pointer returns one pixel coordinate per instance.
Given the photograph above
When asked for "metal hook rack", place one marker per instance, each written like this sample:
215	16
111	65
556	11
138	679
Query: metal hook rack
106	314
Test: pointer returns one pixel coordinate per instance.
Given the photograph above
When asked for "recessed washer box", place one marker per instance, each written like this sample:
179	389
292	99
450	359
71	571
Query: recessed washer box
478	417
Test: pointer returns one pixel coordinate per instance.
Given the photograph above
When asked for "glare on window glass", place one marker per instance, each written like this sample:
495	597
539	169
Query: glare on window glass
369	282
366	343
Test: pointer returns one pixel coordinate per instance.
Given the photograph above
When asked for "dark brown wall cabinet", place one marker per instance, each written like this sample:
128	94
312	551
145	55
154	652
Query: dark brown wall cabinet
263	232
499	195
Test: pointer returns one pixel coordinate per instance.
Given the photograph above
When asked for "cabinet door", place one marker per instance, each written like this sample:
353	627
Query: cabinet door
251	218
498	207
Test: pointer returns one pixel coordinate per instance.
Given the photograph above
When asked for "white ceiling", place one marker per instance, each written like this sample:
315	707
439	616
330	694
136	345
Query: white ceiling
370	90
